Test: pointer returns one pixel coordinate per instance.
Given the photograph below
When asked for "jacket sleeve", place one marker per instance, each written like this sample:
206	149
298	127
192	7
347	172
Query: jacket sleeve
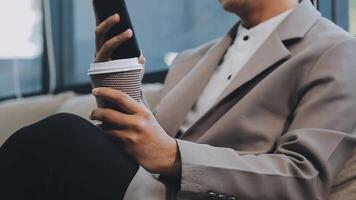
307	157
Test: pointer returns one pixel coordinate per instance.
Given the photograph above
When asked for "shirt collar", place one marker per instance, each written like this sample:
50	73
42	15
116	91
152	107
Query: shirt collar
265	27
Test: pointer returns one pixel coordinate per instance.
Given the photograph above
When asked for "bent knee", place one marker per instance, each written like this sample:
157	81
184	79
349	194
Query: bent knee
61	125
66	118
62	120
59	131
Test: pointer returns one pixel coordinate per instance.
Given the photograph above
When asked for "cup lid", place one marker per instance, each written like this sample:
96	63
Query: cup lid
120	65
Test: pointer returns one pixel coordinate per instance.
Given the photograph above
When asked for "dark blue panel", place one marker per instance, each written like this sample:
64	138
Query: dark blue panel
325	7
341	13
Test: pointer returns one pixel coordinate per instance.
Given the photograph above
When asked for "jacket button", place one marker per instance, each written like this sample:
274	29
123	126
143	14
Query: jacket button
212	196
221	197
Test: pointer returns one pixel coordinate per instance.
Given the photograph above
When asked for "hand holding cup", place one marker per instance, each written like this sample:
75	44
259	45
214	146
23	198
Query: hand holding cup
120	74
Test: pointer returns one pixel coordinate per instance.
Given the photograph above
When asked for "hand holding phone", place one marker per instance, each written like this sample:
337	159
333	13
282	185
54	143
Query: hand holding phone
115	38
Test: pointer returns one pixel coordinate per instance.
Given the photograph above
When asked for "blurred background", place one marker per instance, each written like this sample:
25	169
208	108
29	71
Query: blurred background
47	45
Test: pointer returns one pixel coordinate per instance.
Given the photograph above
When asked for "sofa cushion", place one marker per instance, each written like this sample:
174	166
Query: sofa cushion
81	105
152	94
18	113
345	184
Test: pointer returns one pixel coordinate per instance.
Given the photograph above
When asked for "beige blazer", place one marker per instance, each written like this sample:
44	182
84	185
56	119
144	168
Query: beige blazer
283	128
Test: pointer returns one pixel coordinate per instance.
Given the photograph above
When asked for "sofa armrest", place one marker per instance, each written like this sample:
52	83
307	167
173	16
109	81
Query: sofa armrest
152	94
81	105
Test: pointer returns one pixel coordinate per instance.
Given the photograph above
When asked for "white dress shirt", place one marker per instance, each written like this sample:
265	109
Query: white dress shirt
239	53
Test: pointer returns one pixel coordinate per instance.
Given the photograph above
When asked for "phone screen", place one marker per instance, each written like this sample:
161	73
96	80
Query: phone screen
107	8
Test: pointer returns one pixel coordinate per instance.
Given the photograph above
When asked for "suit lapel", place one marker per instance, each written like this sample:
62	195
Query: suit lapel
261	60
268	57
242	83
178	102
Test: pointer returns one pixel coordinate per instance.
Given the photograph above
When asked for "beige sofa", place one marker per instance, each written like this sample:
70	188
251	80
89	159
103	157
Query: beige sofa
15	114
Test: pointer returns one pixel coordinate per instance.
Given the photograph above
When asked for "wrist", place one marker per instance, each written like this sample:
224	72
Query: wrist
173	166
177	166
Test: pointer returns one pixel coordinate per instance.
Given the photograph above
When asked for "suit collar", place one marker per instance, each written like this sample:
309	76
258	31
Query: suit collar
298	22
295	26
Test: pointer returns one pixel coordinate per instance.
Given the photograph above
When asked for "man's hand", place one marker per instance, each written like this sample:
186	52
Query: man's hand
105	48
143	138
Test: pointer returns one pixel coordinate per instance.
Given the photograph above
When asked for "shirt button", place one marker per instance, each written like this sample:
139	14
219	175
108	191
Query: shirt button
245	38
229	77
231	198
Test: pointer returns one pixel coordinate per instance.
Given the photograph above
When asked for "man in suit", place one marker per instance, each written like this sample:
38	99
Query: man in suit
266	112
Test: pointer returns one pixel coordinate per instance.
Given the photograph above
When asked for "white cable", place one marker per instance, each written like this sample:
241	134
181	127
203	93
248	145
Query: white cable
16	79
50	46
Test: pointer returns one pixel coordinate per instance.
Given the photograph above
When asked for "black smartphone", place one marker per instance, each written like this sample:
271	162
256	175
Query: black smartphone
107	8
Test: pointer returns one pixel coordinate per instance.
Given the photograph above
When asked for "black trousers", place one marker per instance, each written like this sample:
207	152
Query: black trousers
64	157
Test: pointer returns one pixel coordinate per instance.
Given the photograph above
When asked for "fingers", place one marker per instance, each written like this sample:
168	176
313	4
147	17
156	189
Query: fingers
96	13
124	101
123	136
142	60
112	117
109	46
104	27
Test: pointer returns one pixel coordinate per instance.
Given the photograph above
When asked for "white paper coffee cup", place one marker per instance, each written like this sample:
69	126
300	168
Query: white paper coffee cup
123	75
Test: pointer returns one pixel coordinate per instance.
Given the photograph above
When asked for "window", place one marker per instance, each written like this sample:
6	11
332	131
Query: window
21	40
352	16
83	41
162	26
337	11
